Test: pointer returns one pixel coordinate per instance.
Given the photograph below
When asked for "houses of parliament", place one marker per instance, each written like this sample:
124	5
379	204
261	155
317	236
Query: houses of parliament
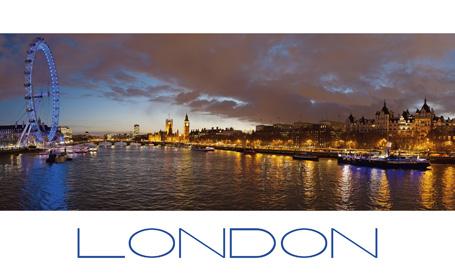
169	135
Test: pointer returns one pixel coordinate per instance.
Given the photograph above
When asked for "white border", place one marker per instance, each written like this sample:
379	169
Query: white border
227	16
45	244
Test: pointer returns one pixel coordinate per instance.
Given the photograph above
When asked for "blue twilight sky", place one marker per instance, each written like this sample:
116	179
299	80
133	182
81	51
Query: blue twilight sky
110	82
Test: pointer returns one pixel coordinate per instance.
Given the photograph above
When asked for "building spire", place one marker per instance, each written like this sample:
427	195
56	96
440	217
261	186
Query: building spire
425	101
385	104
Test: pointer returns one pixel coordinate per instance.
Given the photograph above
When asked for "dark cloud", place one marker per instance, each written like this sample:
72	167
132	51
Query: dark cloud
152	93
259	78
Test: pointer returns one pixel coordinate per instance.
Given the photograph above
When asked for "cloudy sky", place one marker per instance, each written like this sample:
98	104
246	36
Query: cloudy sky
110	82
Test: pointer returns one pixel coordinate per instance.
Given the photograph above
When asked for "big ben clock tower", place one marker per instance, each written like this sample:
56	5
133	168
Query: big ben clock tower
186	128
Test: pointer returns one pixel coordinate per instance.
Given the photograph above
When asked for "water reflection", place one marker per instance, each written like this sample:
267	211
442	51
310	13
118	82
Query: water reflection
181	179
345	187
45	186
382	194
448	183
427	190
307	182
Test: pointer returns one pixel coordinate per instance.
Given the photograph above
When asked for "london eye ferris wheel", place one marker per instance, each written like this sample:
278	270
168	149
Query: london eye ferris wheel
41	107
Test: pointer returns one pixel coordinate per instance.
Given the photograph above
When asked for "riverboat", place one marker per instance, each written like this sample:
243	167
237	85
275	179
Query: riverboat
305	157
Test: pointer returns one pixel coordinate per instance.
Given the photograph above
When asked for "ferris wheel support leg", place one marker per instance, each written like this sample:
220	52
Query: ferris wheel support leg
28	132
25	134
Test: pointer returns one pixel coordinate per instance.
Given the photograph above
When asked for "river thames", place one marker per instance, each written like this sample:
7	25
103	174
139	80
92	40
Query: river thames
168	178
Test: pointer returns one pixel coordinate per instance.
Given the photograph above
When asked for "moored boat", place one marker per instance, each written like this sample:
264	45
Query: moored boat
248	151
120	144
80	149
105	144
202	149
442	159
57	157
135	144
385	162
305	157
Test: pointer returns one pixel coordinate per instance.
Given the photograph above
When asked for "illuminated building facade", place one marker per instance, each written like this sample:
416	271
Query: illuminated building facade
168	126
9	134
384	120
66	134
136	130
299	133
418	127
423	122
